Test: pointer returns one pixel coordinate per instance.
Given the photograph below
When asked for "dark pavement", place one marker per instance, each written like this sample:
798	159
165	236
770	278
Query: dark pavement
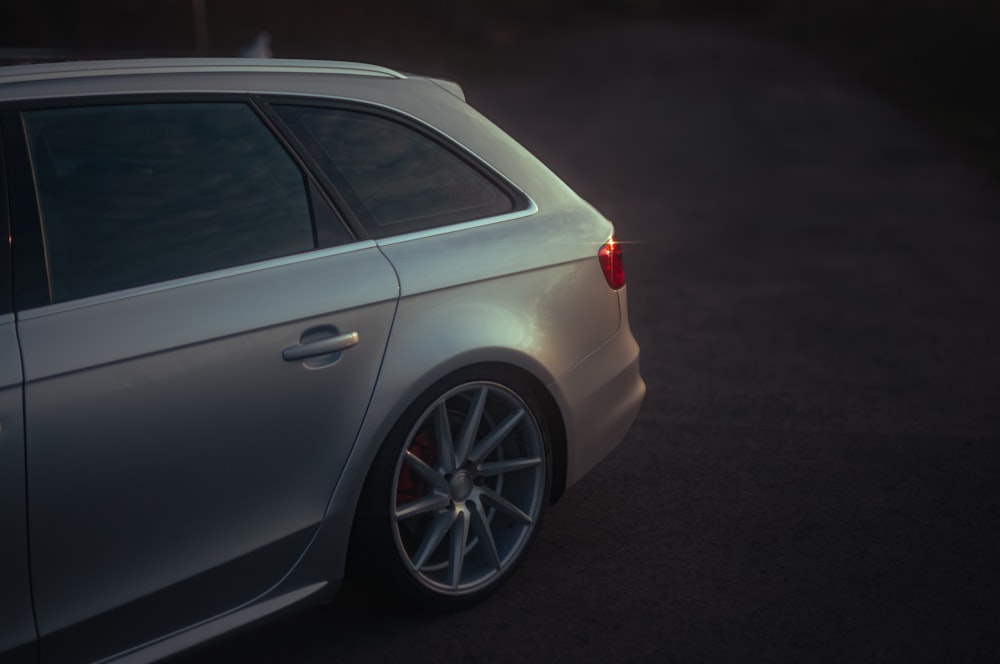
814	284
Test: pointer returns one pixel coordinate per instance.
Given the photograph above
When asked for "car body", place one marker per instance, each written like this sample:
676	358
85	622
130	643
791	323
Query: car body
262	322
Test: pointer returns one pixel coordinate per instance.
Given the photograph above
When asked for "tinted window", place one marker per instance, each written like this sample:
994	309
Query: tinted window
135	194
394	177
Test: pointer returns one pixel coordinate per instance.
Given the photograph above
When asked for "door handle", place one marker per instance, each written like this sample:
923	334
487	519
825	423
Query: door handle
321	347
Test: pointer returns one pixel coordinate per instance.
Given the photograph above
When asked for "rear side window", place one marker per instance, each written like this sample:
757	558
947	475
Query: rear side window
394	177
134	194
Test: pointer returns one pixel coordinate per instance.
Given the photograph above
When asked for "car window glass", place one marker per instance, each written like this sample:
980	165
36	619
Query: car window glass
140	193
395	178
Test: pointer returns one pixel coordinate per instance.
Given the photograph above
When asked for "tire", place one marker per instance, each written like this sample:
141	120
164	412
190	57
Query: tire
456	493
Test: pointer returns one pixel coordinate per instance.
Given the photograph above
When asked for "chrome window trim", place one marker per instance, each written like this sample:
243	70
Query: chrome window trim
531	210
191	280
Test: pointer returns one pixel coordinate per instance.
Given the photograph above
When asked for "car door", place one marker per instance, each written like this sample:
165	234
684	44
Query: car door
197	364
17	627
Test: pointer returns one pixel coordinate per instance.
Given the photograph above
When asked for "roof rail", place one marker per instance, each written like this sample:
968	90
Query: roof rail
82	69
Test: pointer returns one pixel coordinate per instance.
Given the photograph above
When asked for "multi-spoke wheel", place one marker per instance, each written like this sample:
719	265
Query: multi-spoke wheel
463	486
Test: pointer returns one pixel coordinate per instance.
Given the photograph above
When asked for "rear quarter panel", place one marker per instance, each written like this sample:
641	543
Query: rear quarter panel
525	290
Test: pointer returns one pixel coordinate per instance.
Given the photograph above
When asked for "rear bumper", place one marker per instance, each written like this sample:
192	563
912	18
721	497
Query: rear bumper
600	397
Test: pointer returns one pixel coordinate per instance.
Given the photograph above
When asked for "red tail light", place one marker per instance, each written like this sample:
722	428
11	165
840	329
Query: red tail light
610	256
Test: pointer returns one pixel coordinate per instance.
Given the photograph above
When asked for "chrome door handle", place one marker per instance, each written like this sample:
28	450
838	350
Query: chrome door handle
321	347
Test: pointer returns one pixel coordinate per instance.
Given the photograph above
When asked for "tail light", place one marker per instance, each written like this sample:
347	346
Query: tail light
610	256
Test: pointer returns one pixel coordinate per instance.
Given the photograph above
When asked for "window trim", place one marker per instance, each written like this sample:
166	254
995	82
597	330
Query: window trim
6	269
193	280
521	205
326	211
31	281
31	287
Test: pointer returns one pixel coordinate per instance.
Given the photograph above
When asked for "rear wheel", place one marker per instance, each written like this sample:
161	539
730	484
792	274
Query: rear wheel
457	491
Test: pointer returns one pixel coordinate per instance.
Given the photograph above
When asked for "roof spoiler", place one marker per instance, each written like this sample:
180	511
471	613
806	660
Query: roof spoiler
448	86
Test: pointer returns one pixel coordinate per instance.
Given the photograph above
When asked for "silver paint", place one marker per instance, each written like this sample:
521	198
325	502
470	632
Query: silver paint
168	434
174	417
17	628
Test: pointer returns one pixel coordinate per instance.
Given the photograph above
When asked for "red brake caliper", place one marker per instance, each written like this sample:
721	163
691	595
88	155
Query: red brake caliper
410	485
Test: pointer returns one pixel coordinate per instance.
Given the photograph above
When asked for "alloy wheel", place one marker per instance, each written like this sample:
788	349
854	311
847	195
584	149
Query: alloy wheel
468	488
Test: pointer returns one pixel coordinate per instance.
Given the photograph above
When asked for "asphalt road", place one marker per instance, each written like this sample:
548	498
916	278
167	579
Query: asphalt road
814	284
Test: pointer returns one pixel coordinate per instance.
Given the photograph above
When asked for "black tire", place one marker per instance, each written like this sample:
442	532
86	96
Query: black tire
456	493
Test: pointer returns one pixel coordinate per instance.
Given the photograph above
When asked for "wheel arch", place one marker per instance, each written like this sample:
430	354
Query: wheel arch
362	559
495	360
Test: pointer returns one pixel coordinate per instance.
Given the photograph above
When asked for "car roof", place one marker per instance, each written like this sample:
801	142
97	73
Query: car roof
102	68
205	75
